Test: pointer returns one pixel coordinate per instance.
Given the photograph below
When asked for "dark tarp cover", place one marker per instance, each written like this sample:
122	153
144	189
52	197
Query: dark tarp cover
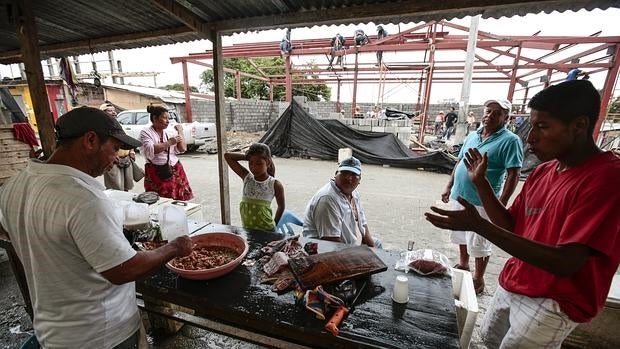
296	133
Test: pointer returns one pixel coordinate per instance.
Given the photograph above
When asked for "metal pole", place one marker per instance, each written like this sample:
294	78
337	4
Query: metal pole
461	126
354	104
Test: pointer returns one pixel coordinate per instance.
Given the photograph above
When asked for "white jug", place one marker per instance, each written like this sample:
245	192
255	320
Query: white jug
172	222
136	216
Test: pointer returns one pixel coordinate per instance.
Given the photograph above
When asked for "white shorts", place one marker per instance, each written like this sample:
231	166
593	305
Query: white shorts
477	246
516	321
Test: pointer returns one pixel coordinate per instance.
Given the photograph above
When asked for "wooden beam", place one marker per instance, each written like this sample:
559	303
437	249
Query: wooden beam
257	67
186	92
86	45
220	125
184	15
26	29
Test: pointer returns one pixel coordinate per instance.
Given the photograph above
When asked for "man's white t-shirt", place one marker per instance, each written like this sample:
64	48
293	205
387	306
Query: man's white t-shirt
66	232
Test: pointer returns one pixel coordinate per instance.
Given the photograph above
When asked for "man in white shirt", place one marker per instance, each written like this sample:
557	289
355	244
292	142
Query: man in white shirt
68	235
335	212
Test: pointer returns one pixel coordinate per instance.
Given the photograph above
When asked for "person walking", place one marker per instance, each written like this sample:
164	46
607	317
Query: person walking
505	153
451	119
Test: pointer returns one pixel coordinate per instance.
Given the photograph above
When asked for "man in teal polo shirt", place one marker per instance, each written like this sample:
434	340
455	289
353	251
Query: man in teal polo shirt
505	153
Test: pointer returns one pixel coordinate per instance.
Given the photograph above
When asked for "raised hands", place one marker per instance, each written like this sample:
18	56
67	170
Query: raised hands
476	165
467	219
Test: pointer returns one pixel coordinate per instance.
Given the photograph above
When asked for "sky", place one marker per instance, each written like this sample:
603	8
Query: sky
156	59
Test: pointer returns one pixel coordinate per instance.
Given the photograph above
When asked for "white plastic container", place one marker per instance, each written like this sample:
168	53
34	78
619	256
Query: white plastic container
172	222
466	304
136	216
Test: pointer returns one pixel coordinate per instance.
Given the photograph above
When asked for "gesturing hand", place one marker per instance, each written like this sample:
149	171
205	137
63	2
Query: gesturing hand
476	165
467	219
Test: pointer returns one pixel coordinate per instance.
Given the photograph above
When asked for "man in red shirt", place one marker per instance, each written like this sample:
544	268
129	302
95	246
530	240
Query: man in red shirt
563	229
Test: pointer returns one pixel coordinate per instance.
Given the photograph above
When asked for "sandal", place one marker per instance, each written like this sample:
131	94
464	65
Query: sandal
458	266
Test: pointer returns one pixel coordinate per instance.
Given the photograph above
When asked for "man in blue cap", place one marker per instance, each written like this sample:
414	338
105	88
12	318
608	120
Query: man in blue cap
335	212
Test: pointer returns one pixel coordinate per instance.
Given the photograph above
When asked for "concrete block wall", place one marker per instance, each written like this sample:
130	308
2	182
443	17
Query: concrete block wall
252	115
257	115
241	115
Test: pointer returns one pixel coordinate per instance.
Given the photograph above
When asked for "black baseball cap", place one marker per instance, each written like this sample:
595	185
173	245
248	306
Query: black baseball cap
81	120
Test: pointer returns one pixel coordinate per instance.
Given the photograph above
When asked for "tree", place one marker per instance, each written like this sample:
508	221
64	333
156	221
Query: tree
179	87
258	89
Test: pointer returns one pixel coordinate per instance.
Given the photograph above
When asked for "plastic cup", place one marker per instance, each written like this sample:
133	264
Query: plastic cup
400	294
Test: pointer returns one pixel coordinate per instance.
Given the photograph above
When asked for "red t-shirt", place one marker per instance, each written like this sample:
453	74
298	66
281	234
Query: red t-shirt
580	205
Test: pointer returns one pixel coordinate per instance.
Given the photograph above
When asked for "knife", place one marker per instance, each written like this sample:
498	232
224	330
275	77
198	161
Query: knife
342	311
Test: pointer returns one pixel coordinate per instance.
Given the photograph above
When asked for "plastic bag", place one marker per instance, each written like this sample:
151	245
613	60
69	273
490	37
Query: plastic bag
425	262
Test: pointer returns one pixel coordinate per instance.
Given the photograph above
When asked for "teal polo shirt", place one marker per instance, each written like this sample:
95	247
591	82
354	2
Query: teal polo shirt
504	150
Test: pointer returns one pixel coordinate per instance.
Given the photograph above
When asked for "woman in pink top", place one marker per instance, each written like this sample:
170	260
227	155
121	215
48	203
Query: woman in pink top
164	173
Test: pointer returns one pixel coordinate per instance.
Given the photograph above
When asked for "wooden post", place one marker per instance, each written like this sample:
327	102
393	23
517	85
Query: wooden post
238	84
188	103
27	34
112	68
427	90
270	91
220	124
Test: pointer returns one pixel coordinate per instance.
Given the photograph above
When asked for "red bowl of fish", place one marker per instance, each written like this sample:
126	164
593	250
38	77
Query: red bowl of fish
213	255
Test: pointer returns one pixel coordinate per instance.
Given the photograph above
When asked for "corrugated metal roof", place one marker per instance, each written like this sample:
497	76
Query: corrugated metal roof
72	27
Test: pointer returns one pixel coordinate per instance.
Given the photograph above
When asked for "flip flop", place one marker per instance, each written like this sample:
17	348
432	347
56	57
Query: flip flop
458	266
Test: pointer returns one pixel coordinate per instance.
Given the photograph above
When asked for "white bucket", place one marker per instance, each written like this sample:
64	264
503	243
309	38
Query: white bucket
172	222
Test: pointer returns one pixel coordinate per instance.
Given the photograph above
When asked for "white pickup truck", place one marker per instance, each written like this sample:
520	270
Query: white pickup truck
195	133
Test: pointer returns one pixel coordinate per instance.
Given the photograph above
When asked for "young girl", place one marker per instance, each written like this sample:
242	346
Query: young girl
259	187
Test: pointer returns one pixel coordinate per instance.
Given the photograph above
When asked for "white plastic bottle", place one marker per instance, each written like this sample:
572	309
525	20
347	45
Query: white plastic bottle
172	222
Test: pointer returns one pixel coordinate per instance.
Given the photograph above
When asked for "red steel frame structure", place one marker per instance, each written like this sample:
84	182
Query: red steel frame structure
523	72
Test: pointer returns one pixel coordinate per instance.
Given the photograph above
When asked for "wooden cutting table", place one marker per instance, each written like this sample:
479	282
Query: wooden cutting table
238	305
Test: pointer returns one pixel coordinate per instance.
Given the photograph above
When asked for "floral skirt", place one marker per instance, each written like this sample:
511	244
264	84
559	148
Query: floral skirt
177	187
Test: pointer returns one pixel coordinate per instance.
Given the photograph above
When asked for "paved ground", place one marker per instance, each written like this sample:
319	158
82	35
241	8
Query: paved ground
394	200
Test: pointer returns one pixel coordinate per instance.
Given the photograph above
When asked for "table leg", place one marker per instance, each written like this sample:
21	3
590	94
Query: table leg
20	277
161	323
